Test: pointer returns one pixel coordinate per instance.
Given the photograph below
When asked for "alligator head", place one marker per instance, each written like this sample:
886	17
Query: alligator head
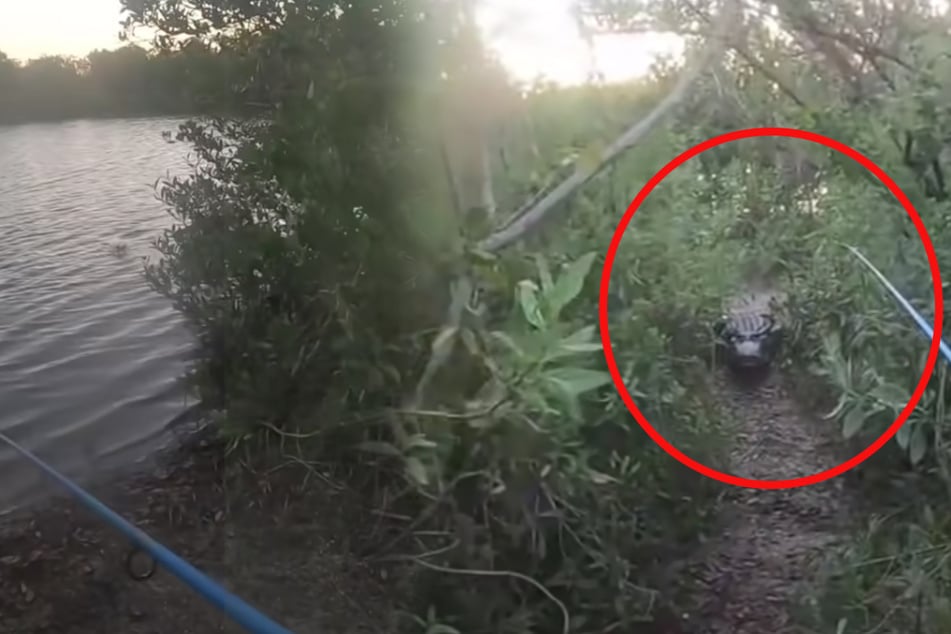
749	341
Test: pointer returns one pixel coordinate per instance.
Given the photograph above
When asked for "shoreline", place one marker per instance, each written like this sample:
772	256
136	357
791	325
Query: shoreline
163	447
283	545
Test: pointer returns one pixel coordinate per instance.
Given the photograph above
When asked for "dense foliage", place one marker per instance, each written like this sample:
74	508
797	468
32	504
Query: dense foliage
318	248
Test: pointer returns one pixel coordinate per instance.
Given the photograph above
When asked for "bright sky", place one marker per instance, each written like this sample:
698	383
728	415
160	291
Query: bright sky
539	37
31	28
532	37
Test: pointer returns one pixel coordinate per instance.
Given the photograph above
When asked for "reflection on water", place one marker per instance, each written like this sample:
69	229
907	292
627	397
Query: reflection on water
90	357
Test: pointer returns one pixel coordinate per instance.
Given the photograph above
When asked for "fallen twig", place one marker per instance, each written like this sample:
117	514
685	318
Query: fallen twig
566	617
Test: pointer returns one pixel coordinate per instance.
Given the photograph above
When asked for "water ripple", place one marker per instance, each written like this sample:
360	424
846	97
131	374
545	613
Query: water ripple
90	358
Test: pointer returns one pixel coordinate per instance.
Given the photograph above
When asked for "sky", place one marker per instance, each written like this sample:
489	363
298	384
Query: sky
532	37
535	37
31	28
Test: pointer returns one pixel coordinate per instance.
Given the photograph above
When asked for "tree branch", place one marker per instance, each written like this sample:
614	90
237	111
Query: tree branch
534	214
801	19
461	291
753	63
520	227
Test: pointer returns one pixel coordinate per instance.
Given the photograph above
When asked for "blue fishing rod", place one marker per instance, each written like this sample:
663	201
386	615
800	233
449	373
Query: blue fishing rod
921	322
239	611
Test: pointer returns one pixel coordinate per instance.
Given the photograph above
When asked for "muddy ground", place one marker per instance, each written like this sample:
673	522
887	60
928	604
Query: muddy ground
284	540
259	534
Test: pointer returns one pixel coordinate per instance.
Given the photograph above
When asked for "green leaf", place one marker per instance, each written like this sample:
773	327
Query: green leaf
569	284
891	395
417	471
581	347
578	342
583	335
903	435
528	299
544	274
918	446
854	421
839	406
570	408
601	478
578	380
419	440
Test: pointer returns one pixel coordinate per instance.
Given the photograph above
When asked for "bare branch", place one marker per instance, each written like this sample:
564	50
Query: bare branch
868	50
836	46
754	63
461	291
740	50
533	216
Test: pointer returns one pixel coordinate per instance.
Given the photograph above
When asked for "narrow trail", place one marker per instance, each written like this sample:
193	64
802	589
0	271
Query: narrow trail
750	572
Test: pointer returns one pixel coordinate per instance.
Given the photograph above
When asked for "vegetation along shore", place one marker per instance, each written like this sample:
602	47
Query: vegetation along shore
388	252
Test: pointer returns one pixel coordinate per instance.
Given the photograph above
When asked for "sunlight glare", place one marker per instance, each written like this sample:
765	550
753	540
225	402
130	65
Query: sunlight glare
539	39
535	39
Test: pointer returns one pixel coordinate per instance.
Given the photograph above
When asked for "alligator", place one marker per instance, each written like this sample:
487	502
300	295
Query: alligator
749	334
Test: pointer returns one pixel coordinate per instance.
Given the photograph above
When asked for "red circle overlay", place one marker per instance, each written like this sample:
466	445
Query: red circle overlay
606	338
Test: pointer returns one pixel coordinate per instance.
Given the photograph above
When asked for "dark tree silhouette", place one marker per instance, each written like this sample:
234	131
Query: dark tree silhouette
129	81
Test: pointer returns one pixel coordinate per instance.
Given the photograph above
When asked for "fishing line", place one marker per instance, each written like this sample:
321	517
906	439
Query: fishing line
239	611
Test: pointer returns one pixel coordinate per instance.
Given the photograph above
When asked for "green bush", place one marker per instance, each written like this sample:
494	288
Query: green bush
315	246
298	256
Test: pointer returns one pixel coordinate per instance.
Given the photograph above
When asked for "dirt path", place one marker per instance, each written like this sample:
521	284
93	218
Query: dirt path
281	548
749	574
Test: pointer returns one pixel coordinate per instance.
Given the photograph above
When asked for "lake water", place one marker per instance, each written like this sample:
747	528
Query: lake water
90	357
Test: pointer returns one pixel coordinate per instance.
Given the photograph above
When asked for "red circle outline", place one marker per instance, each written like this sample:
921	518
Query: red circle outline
606	338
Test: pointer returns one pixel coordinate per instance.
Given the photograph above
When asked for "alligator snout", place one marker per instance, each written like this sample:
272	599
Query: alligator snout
753	352
749	352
